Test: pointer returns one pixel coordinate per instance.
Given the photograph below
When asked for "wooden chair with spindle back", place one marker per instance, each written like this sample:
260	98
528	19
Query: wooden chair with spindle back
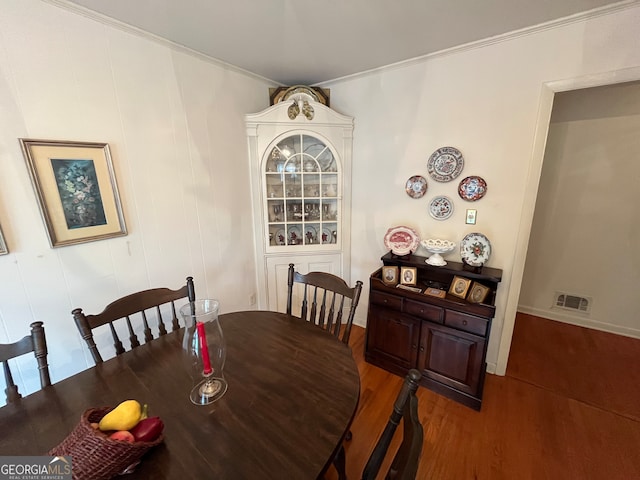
323	301
405	462
125	308
36	342
323	304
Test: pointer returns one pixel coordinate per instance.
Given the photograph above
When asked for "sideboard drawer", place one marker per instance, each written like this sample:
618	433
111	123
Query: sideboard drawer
424	310
466	322
386	300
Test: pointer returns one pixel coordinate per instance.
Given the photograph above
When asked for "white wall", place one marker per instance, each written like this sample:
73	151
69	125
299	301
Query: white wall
175	125
493	103
586	226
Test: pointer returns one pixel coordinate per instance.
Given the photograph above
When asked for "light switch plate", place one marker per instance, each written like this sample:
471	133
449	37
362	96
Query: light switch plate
471	216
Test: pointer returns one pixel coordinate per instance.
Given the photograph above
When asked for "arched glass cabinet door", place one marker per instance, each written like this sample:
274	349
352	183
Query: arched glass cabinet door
302	190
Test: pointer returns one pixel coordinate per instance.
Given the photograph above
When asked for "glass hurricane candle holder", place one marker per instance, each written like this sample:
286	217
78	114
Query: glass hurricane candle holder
204	350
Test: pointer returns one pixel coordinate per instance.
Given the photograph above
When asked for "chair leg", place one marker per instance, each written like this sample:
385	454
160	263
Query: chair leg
340	463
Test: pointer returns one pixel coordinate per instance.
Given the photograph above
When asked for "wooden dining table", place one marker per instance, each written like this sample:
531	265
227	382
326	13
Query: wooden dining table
293	392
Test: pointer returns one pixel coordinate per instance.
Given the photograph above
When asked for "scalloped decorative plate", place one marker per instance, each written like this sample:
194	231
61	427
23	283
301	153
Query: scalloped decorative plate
401	240
472	188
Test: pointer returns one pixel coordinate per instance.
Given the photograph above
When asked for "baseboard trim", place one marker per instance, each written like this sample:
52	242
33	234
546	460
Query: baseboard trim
580	321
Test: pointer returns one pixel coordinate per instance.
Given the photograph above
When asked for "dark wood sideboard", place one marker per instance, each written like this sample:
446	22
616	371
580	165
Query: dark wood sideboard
445	338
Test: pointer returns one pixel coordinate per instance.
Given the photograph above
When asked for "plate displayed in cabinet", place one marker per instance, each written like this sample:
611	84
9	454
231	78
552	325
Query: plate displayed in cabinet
416	186
472	188
475	249
328	236
280	238
445	164
310	234
401	240
441	207
295	237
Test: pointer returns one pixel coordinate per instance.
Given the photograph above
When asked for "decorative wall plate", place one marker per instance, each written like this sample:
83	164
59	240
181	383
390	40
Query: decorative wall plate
401	240
416	186
445	164
441	207
472	188
475	249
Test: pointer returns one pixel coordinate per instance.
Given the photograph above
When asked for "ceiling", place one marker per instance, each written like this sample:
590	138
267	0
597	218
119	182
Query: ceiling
307	42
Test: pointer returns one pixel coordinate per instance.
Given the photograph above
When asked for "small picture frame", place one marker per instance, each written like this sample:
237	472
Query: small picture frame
390	275
459	286
408	275
477	293
435	292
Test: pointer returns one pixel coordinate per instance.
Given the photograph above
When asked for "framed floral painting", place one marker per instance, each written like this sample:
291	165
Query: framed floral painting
76	189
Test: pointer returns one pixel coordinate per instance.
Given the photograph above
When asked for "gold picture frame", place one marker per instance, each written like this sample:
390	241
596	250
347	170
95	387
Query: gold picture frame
76	190
3	245
459	286
390	275
408	275
477	293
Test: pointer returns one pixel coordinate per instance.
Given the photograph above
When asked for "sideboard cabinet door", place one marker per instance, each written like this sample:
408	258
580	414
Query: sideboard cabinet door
451	357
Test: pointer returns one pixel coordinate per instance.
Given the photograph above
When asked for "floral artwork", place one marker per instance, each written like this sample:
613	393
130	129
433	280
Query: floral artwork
76	189
79	191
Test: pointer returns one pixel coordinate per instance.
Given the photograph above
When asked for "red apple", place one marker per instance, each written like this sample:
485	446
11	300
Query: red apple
123	436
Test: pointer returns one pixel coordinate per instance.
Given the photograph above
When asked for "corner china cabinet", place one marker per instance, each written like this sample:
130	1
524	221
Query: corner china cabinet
300	169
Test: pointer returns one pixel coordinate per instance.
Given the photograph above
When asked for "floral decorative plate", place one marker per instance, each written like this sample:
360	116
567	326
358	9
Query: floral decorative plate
327	236
472	188
295	237
280	238
475	249
445	164
416	186
401	240
441	208
311	234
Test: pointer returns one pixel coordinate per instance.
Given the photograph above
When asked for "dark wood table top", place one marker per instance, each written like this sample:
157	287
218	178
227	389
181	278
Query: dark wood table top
293	392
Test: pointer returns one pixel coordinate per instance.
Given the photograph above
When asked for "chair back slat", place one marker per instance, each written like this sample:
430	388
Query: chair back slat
405	462
329	291
162	330
35	342
133	308
174	318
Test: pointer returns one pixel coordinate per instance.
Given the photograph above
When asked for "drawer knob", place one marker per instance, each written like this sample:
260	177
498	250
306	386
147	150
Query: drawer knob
414	346
384	301
422	310
464	322
422	348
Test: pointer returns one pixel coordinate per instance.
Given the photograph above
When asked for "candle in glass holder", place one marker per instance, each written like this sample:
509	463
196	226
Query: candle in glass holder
204	349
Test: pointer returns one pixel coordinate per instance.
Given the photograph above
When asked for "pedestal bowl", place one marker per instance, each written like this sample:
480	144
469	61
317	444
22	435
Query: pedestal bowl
437	248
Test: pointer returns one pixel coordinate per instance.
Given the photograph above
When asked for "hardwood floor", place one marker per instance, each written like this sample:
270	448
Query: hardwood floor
537	422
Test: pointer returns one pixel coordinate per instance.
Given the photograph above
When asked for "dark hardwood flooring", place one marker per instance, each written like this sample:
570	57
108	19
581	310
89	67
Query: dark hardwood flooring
553	416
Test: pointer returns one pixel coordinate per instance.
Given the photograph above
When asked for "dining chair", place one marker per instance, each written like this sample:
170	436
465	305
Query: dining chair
323	301
405	462
125	308
36	342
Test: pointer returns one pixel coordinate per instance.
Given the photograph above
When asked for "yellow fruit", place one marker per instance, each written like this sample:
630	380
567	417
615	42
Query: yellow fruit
124	417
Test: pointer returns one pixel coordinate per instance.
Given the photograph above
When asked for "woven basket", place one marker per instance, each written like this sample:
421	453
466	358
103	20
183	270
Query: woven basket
94	455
